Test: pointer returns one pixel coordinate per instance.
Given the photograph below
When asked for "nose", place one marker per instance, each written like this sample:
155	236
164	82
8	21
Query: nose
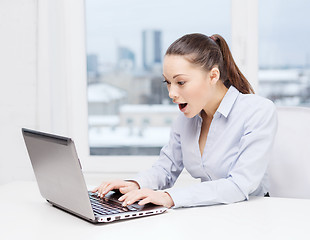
172	92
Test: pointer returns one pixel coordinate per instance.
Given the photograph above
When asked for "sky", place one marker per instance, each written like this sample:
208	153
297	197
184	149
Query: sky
284	32
121	22
284	26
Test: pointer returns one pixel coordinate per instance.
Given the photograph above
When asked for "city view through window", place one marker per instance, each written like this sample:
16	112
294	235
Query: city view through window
129	109
284	52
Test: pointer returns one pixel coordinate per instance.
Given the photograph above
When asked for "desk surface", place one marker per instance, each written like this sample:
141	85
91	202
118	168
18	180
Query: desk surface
24	214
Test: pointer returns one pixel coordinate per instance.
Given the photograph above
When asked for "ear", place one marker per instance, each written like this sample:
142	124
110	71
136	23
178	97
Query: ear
214	75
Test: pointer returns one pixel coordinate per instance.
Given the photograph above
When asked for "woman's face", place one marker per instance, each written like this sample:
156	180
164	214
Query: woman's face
189	85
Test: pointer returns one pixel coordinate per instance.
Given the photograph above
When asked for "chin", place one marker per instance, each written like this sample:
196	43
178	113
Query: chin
189	115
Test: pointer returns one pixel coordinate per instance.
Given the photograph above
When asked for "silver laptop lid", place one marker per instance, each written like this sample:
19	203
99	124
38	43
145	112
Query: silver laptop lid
58	171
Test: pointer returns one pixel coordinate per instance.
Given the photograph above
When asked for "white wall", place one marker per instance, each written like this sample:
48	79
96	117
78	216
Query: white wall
42	80
42	77
18	79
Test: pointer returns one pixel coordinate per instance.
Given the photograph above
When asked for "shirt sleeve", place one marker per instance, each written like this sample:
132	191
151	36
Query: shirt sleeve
167	168
247	171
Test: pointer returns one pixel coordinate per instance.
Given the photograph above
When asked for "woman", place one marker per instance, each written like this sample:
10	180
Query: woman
223	135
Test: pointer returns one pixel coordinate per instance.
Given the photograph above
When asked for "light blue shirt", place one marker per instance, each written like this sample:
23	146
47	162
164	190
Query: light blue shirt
235	158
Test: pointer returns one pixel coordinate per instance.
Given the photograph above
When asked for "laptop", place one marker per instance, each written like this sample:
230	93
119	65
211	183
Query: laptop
58	172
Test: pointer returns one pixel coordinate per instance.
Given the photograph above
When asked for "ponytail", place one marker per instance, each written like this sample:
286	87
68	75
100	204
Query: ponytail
234	75
209	52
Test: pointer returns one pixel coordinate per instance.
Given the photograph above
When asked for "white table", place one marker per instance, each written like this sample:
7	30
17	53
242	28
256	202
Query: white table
24	214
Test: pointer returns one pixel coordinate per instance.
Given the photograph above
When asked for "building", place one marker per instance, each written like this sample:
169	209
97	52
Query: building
92	67
151	49
284	86
157	115
126	59
104	99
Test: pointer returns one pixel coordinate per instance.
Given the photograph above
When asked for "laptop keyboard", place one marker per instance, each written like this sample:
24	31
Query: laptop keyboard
106	206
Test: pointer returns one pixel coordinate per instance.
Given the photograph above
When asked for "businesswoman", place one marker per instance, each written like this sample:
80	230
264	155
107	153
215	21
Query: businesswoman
222	135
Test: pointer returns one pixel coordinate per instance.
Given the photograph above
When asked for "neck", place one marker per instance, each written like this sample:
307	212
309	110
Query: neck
220	91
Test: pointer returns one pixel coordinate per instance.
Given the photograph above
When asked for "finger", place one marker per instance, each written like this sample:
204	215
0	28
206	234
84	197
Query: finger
102	189
110	187
132	197
145	201
126	198
95	189
106	188
129	186
126	189
123	186
123	190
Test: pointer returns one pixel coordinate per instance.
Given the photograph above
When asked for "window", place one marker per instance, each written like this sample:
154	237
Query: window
284	52
129	111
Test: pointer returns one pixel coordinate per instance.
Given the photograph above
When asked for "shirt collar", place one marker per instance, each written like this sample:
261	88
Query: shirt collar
228	101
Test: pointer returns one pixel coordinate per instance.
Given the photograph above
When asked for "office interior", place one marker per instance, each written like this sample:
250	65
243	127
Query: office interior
43	81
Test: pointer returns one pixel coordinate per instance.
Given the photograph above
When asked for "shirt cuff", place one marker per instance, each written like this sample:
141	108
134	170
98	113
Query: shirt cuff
142	183
176	195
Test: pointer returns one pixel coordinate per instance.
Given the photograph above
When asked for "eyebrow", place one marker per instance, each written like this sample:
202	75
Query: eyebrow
177	75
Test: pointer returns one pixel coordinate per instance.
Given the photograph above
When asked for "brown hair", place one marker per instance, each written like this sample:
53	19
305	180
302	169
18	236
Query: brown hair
209	52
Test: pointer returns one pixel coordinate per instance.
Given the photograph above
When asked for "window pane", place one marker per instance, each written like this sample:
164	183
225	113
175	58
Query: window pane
130	112
284	51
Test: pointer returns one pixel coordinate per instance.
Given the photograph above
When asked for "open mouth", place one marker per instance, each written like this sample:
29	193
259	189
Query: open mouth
182	106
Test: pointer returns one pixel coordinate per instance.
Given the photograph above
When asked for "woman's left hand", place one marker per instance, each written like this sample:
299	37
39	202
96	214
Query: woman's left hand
147	196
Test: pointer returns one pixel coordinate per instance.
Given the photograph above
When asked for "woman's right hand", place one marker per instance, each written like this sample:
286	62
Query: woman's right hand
123	186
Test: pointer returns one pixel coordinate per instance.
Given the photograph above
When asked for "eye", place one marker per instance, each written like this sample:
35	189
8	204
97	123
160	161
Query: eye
167	82
181	83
